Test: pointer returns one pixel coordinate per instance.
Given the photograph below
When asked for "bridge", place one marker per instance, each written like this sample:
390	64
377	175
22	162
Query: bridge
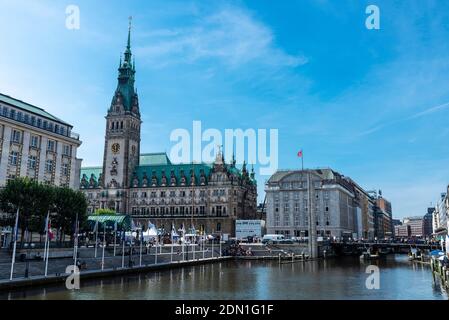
390	247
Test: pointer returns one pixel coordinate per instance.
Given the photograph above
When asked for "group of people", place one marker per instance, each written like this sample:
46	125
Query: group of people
236	249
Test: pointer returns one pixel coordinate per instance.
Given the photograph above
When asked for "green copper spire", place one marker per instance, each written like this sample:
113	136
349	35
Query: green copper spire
128	53
127	71
129	32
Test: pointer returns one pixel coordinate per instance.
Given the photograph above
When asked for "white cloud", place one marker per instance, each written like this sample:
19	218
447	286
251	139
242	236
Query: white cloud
230	35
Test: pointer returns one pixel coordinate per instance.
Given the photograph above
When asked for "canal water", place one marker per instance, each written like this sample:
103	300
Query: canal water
342	279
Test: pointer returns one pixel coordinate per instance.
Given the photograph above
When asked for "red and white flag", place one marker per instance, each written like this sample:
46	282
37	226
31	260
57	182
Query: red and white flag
300	154
48	228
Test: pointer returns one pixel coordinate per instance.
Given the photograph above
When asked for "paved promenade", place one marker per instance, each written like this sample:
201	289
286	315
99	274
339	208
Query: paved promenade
86	256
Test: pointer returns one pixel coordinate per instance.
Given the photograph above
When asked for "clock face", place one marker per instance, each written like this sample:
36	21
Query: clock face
115	148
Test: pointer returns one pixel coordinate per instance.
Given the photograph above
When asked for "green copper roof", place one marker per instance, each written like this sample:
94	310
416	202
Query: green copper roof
30	108
124	222
178	169
159	163
89	173
126	76
154	159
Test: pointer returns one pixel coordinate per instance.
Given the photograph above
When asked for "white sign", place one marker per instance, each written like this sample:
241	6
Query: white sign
249	228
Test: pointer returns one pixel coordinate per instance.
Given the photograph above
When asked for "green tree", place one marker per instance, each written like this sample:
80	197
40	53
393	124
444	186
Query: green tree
31	198
67	205
105	212
35	200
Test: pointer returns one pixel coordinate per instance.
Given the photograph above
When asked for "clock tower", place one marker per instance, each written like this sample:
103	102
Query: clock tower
122	141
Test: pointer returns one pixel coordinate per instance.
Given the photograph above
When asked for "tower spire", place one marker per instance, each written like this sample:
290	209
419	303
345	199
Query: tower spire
129	33
126	77
128	53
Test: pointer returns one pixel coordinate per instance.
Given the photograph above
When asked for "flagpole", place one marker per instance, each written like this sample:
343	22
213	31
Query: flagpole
45	246
46	237
141	241
194	242
183	240
104	245
75	244
213	240
157	241
115	236
123	249
13	259
204	242
148	244
96	237
171	253
48	246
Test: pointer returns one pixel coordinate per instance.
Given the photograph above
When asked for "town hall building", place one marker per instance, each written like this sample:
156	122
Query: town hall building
148	186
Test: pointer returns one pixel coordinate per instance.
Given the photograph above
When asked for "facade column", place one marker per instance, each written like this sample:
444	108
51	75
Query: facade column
25	153
58	163
313	247
42	158
5	153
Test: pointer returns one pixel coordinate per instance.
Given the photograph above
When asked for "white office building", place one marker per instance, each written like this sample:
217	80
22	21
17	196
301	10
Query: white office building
36	144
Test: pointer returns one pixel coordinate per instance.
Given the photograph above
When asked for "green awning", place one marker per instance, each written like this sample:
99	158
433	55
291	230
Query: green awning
124	222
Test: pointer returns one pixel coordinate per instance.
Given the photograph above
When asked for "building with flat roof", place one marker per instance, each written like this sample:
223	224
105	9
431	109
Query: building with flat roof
319	201
36	144
402	231
427	223
416	225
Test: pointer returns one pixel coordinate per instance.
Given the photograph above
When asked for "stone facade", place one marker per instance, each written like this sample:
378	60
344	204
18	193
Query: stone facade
152	189
35	144
339	207
440	221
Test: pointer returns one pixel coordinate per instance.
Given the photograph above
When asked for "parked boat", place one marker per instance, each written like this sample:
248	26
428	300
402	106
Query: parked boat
369	256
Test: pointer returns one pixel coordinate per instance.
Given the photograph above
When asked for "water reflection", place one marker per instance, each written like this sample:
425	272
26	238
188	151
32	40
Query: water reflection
244	280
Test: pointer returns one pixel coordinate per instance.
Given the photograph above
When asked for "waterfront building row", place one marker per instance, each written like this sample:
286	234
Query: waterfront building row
322	201
440	220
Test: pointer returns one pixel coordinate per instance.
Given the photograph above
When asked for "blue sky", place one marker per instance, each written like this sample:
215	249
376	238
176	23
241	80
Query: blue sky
371	104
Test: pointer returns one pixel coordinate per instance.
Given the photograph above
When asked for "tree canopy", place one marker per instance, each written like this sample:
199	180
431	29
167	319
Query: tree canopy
34	200
105	212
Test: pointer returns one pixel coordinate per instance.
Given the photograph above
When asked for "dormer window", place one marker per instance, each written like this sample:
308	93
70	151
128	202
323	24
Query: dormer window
164	179
172	179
